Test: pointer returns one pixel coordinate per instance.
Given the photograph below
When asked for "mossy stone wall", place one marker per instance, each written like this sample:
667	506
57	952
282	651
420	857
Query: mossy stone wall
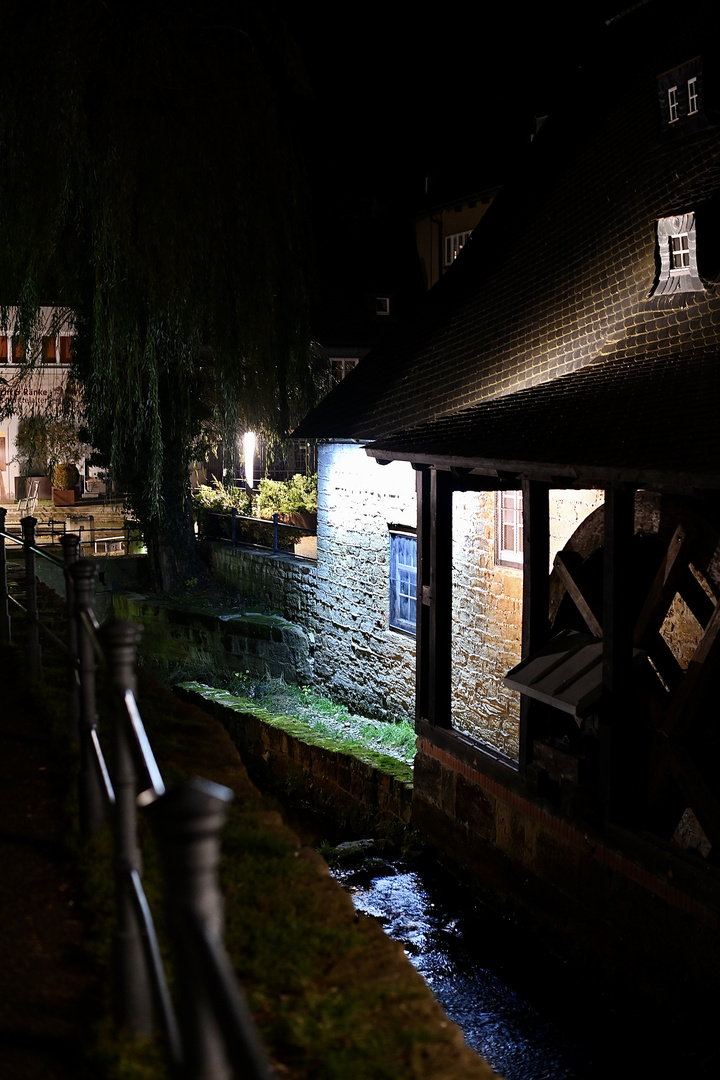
176	636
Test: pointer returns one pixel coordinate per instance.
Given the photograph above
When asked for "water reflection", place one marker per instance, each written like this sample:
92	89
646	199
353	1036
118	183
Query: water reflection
469	958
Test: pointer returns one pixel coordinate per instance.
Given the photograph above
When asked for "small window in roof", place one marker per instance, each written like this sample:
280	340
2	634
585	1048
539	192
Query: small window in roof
692	92
680	254
677	251
454	244
681	100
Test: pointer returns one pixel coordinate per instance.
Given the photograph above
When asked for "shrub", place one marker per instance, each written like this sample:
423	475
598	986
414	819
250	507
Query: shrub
298	495
219	500
65	476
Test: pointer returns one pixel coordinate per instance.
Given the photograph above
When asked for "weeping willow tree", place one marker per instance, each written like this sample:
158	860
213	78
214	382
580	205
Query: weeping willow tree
150	185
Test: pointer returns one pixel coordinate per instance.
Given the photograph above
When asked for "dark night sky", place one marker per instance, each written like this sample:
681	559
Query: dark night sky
398	97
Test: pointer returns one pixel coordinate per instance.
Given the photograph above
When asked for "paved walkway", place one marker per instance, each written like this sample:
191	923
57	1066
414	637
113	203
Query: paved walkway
47	987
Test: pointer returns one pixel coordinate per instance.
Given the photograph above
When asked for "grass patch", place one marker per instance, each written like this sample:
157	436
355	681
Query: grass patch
323	717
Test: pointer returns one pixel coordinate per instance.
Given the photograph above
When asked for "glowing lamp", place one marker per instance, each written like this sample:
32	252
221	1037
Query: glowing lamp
249	452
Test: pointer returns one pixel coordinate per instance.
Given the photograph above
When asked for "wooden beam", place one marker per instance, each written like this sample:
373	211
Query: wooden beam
701	674
670	573
536	565
422	632
434	626
617	593
536	595
619	531
570	579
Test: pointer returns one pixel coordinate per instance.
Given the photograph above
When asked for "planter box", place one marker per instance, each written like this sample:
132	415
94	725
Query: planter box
44	489
65	496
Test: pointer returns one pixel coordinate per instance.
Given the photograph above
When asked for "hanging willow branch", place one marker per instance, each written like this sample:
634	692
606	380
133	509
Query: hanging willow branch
150	184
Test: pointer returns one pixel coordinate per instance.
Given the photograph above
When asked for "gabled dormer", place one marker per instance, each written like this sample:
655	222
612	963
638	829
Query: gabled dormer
677	256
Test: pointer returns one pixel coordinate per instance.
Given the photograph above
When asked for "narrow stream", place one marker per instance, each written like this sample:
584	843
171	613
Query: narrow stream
527	1013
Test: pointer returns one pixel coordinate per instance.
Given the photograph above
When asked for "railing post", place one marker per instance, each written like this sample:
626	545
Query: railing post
233	533
33	656
5	629
275	534
133	996
92	802
187	822
71	553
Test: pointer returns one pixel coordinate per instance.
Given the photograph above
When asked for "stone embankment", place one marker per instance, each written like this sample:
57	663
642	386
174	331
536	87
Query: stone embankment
358	790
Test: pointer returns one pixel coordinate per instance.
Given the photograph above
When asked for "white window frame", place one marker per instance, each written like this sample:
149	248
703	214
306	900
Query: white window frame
382	305
402	609
454	243
672	104
342	366
509	526
692	96
677	248
679	253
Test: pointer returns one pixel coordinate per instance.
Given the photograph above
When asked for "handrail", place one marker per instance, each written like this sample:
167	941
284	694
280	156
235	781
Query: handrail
273	523
218	1037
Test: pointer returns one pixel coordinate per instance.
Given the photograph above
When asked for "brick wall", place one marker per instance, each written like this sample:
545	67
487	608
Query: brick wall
647	909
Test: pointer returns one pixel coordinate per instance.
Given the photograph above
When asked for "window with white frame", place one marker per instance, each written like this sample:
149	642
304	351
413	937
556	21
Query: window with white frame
403	581
692	92
382	305
680	254
508	528
341	366
680	96
677	250
454	245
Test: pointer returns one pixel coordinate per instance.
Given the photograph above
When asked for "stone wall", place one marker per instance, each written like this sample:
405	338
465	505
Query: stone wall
487	614
487	627
361	661
179	640
344	599
372	794
278	583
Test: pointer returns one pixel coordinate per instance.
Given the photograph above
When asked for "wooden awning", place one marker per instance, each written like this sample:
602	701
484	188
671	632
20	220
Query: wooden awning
566	673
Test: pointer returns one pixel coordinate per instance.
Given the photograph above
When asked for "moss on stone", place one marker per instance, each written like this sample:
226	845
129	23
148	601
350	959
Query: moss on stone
304	731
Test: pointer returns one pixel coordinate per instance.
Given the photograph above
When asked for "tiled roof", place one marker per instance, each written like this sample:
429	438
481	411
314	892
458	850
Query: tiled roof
560	272
649	420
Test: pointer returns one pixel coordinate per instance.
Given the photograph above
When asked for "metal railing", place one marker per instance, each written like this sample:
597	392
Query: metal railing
211	1036
94	539
269	534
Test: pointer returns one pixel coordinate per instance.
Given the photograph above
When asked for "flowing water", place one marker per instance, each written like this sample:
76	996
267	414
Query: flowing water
526	1012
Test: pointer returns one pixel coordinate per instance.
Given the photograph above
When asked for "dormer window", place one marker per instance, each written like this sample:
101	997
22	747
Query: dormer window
680	254
680	100
677	250
692	96
454	245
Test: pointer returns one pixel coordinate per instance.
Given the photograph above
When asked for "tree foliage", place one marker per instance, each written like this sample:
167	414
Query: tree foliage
151	185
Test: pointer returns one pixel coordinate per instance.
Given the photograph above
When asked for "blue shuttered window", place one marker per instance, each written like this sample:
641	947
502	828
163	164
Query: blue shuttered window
403	581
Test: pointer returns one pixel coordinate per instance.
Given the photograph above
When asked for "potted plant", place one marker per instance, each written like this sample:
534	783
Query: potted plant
32	456
66	484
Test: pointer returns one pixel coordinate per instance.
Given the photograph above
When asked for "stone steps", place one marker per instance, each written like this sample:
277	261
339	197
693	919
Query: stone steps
91	520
